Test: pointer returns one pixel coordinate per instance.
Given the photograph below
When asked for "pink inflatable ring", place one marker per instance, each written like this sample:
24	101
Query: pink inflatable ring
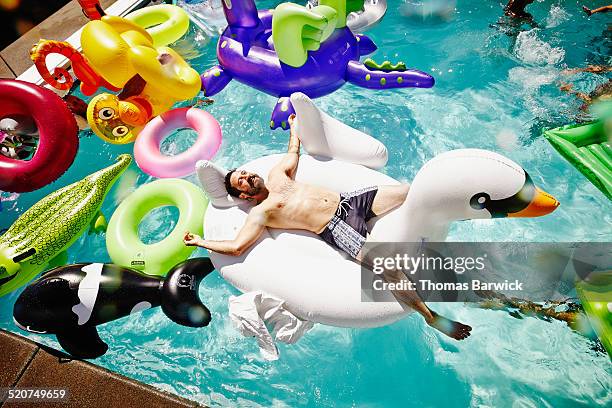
153	162
58	139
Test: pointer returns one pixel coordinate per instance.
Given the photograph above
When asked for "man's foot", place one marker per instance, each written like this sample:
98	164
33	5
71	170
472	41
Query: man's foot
587	10
456	330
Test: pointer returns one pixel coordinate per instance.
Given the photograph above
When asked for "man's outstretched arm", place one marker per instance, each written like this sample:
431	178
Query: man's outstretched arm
289	163
247	236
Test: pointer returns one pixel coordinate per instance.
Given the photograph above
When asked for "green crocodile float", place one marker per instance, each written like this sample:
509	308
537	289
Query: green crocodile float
587	148
46	230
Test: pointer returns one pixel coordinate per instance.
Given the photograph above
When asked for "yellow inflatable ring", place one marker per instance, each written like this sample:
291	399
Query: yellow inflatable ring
164	22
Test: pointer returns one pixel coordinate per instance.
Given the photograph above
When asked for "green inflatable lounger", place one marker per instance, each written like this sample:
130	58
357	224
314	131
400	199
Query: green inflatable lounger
595	294
587	148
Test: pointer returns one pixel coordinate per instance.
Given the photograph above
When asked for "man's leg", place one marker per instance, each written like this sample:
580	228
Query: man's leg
389	197
603	9
456	330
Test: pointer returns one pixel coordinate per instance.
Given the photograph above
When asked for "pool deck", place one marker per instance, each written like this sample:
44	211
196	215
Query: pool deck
5	70
59	26
24	363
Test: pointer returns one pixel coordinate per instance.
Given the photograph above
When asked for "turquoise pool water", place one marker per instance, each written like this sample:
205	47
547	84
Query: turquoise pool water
496	89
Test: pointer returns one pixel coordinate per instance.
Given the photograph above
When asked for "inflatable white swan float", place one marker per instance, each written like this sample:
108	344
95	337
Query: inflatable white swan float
317	282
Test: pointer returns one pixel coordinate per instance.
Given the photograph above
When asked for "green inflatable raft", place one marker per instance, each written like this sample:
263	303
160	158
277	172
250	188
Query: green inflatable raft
596	297
587	148
54	223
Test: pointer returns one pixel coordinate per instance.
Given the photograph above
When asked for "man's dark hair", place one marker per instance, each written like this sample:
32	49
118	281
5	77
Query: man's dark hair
231	190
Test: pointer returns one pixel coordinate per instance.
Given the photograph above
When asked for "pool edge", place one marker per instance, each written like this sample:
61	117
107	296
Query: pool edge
24	363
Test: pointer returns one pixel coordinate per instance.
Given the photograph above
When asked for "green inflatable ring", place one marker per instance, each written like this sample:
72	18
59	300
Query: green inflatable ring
587	148
125	247
166	23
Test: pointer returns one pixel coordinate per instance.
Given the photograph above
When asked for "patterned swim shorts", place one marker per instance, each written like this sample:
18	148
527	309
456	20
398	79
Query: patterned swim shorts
347	230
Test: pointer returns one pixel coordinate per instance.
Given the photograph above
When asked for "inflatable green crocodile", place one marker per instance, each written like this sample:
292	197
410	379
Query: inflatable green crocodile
54	223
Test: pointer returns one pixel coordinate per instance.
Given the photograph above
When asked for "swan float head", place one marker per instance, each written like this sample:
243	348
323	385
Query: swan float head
477	184
463	184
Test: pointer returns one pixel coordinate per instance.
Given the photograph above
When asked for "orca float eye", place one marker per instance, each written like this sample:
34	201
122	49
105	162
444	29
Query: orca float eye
185	281
106	113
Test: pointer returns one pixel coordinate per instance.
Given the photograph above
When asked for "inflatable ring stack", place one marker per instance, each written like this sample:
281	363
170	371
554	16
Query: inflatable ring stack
125	247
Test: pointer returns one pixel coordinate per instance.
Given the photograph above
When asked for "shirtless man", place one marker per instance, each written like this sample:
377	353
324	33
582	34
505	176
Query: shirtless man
339	219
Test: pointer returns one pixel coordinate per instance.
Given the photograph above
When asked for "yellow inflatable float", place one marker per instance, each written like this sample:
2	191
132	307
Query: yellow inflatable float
153	78
128	53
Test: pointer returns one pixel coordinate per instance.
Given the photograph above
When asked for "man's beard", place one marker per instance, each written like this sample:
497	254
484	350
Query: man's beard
254	184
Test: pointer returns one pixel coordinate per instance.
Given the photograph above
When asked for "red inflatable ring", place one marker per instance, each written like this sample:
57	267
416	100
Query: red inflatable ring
58	136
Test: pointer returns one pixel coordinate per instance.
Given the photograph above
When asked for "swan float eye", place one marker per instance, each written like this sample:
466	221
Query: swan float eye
120	131
106	113
479	201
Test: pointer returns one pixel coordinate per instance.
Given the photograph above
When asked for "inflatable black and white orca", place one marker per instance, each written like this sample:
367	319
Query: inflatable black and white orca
70	301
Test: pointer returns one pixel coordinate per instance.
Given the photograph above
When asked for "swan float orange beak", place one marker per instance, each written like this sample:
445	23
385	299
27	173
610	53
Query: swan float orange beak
529	201
541	204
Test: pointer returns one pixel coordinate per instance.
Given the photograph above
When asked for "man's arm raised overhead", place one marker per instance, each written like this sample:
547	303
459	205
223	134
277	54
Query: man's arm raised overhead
288	165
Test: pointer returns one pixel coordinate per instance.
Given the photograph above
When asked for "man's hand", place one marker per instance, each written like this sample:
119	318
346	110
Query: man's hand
250	232
192	239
